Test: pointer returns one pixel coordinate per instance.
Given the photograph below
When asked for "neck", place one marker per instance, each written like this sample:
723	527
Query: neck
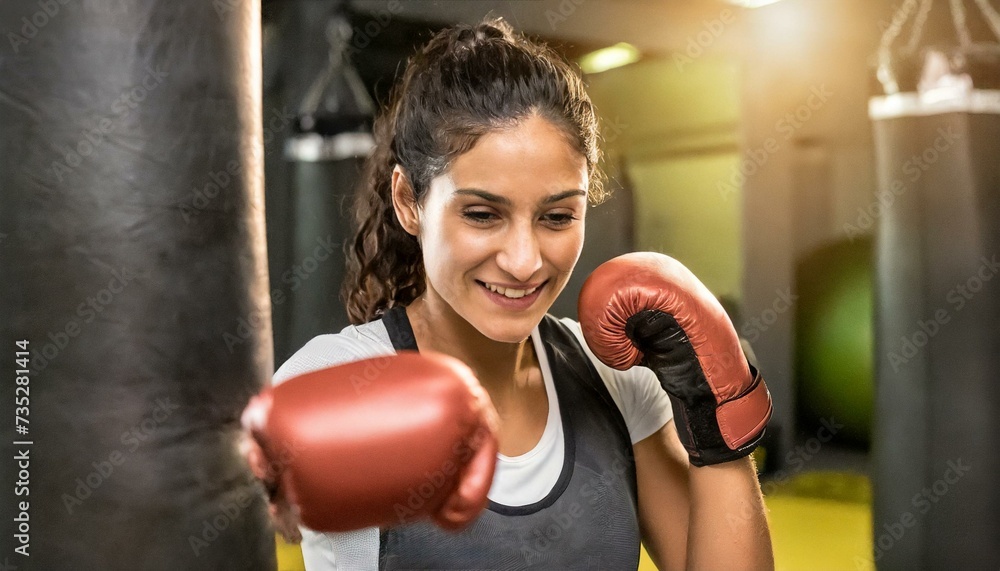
498	366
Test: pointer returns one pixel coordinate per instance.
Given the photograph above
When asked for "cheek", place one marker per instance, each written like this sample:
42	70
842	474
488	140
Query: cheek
450	249
564	251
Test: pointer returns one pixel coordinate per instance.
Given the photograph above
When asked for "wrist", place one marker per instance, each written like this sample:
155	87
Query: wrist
716	432
737	476
744	464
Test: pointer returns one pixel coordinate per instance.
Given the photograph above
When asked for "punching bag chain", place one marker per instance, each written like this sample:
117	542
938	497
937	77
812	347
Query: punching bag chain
918	26
901	17
961	27
992	17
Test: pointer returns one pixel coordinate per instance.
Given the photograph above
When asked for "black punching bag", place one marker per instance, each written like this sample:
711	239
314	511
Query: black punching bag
131	250
330	140
937	421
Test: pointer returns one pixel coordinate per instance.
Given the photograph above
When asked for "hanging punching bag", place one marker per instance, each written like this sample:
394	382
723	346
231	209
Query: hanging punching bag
133	279
330	140
937	421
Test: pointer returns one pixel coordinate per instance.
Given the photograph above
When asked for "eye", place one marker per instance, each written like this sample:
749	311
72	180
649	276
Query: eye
479	216
559	219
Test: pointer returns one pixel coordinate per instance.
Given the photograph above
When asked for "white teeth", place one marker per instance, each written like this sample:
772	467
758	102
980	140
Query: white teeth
510	292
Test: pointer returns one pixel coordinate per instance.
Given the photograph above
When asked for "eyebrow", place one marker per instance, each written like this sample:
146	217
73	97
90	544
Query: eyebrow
490	197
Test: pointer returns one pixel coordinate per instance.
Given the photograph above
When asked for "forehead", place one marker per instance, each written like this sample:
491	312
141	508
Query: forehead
532	155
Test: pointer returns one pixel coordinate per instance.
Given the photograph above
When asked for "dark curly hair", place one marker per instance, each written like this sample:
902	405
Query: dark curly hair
464	83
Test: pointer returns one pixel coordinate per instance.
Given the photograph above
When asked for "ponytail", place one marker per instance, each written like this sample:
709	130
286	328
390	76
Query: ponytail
384	263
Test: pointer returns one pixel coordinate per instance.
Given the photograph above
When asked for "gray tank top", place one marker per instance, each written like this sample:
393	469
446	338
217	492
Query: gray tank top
589	520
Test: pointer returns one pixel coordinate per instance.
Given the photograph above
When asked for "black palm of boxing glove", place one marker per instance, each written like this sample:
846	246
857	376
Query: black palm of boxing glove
648	309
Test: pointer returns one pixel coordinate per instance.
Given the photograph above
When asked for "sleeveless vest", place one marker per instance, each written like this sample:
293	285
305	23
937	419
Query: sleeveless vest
588	521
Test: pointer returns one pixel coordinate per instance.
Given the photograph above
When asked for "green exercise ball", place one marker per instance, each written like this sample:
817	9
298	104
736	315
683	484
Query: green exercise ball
834	339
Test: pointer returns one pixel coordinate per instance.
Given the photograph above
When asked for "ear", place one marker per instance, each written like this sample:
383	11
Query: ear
404	201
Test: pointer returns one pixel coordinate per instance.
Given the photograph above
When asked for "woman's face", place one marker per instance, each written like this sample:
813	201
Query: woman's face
502	229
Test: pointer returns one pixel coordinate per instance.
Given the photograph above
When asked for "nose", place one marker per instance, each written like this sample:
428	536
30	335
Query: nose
520	254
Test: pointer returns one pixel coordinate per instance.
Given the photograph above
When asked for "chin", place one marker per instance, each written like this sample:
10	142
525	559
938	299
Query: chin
510	341
504	329
510	338
509	332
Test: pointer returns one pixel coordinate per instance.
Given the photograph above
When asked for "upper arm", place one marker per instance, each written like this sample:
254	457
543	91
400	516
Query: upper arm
661	466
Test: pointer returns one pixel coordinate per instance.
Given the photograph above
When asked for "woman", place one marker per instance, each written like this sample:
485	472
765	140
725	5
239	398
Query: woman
470	224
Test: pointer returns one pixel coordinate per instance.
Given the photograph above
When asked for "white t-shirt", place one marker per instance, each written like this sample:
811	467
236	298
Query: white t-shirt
518	480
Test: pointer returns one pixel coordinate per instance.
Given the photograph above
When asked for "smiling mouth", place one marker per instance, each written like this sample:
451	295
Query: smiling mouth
511	293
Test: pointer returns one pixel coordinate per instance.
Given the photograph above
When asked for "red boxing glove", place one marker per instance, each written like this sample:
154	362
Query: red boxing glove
648	309
376	442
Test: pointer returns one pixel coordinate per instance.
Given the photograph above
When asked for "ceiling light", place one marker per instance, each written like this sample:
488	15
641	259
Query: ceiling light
609	58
